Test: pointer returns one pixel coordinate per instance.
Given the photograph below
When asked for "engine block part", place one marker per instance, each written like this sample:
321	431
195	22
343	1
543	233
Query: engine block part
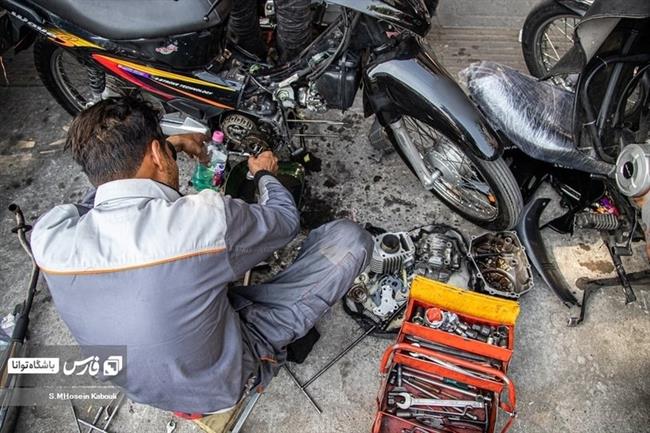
502	266
391	252
391	294
437	257
236	126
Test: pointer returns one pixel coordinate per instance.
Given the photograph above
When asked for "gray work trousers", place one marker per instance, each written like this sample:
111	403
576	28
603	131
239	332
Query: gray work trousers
283	309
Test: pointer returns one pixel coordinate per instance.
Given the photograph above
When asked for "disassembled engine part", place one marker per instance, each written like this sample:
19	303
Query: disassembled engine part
437	257
391	294
392	252
501	263
236	127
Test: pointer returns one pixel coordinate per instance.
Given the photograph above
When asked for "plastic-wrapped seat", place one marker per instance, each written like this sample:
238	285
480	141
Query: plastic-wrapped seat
535	116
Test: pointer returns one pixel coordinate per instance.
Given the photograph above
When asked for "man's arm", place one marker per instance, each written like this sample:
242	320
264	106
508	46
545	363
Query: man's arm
255	231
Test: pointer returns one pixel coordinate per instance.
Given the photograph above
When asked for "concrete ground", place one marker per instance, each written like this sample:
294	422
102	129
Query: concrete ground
593	378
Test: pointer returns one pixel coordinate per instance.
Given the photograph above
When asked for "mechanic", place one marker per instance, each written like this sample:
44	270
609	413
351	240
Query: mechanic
142	266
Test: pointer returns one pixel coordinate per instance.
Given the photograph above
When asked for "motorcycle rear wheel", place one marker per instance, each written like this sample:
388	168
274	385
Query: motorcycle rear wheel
64	76
546	36
483	192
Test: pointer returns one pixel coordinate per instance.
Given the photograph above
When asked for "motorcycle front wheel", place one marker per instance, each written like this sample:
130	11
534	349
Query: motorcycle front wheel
483	192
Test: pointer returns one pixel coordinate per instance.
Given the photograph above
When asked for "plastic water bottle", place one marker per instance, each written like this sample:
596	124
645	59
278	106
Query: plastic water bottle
212	175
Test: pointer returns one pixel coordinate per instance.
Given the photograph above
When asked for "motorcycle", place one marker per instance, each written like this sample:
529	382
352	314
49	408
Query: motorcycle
547	34
178	55
574	139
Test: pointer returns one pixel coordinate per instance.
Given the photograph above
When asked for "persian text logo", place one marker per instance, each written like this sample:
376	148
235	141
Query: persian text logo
113	365
90	365
33	366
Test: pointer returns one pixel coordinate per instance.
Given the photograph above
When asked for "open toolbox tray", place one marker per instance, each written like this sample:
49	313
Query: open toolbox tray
447	372
472	308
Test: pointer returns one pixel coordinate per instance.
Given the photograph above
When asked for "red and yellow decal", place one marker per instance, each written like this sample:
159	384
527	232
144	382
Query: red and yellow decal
164	74
131	71
69	40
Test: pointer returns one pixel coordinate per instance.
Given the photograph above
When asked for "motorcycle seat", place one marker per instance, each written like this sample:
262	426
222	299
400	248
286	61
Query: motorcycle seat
536	116
136	19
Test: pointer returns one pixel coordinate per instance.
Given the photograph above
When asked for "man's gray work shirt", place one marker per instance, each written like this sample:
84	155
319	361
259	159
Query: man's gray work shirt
147	268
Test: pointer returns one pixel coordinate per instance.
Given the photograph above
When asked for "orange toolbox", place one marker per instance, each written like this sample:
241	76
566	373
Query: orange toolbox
447	372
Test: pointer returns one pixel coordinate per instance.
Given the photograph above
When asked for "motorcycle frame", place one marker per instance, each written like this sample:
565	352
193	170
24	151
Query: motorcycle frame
401	75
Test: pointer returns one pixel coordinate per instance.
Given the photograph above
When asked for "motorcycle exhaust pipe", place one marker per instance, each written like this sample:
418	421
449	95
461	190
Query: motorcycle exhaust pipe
409	150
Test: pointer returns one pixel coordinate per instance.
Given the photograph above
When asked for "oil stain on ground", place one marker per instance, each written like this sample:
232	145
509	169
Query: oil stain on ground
599	266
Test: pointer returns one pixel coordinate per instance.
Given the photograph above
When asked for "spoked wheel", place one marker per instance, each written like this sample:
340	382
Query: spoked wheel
546	36
68	80
484	192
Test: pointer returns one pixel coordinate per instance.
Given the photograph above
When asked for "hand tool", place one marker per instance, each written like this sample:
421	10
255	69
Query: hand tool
432	395
409	400
304	391
76	421
171	426
445	349
450	366
383	325
418	375
241	418
119	402
92	427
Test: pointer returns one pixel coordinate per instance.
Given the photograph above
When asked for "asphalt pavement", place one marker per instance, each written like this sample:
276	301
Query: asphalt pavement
593	378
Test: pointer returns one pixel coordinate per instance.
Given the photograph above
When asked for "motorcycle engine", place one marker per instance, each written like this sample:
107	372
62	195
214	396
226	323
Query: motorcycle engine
502	266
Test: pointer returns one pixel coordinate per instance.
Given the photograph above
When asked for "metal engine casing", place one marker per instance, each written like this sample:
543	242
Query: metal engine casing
388	261
502	266
438	257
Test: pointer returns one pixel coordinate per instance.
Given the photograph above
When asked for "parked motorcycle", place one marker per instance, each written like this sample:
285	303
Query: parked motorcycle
177	55
547	35
574	139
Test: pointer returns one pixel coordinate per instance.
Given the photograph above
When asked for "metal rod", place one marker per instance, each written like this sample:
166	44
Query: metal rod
117	406
309	397
91	427
326	122
97	416
247	278
241	419
74	415
353	344
317	135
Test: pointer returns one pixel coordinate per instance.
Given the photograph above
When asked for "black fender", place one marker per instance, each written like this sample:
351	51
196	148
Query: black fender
410	80
579	7
544	263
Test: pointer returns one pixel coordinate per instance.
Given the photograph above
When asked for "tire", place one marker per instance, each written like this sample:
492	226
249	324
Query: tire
537	21
64	76
504	191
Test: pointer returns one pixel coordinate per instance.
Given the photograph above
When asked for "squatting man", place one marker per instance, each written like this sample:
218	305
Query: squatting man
137	264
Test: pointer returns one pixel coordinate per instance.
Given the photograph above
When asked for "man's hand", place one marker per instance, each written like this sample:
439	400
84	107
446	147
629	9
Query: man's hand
264	161
192	144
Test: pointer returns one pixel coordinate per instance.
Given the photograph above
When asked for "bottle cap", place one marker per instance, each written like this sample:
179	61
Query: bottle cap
218	136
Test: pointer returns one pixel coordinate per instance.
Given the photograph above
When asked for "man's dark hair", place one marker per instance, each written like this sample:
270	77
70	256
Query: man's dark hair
109	139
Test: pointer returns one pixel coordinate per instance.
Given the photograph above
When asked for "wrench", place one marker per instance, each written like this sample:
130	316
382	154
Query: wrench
171	426
410	401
